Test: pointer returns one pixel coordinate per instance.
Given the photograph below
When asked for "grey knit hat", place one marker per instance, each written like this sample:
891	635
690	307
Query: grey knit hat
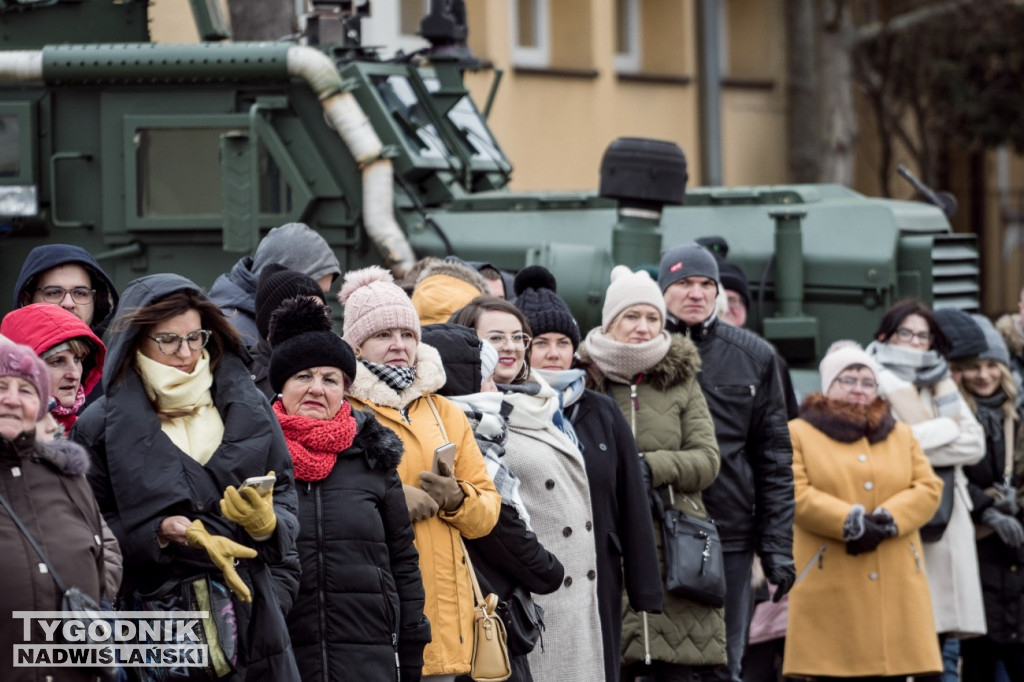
686	260
996	346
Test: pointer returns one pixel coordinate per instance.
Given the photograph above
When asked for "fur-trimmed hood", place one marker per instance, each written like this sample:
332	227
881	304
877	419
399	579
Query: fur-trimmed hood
67	457
846	422
430	378
381	446
1012	331
680	364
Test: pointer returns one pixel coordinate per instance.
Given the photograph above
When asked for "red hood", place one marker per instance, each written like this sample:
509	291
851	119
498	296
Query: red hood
43	325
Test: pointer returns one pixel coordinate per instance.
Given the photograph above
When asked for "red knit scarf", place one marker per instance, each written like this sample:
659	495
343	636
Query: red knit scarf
315	443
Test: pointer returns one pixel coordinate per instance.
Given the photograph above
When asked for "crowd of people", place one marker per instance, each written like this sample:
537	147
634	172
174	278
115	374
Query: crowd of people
335	497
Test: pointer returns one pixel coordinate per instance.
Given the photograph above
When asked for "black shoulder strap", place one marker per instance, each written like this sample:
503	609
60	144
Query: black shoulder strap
32	541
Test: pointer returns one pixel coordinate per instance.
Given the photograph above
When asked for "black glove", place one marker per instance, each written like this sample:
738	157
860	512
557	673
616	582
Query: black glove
645	474
1007	504
869	540
1006	527
780	571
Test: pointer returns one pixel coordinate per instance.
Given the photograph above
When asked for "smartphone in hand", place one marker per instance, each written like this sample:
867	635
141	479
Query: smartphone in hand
263	484
444	460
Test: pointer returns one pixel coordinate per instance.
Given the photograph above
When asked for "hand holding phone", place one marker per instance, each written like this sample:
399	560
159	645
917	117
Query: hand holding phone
263	484
444	460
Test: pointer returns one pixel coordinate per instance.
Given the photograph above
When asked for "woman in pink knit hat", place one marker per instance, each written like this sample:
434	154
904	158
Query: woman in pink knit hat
449	496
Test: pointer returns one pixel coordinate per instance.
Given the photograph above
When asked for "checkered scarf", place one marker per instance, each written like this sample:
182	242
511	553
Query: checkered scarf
398	378
488	416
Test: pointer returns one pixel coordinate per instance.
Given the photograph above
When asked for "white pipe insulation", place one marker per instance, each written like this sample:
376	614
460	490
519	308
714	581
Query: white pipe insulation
346	116
21	66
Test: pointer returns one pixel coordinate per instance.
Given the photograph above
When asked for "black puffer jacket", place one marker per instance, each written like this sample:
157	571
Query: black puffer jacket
140	477
752	500
623	531
1002	580
45	487
360	584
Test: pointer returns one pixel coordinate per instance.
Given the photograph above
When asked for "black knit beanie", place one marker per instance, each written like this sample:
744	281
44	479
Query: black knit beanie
302	338
733	279
276	284
965	336
543	308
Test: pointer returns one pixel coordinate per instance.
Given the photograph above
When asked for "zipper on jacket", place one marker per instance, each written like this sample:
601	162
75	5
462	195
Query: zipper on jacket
391	623
917	557
647	641
819	557
690	500
321	606
634	403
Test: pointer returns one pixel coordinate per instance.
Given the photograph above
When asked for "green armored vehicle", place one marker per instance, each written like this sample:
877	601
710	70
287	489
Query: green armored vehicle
162	158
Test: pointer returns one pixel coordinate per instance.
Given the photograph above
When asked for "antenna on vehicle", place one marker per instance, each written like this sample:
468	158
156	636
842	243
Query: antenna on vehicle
944	200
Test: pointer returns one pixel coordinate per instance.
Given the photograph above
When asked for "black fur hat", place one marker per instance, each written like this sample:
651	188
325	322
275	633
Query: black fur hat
277	284
300	332
542	307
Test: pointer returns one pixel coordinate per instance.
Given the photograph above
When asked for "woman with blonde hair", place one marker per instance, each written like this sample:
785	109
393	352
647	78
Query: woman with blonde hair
995	484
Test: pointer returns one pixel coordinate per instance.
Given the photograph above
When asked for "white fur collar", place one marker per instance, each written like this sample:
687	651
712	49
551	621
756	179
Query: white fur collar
430	378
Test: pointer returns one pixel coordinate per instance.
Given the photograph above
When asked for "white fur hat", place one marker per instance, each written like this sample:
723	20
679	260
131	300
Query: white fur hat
841	355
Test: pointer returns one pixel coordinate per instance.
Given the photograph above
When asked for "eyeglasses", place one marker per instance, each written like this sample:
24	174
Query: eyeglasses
906	336
55	294
849	383
169	344
516	340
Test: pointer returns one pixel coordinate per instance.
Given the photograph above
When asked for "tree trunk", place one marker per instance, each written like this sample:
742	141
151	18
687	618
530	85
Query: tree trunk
839	116
804	148
262	19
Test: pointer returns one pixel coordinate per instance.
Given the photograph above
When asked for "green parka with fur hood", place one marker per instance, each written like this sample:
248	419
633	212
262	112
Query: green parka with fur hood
675	433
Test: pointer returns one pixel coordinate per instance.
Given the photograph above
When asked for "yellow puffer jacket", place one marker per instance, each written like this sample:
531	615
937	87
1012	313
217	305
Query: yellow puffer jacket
449	593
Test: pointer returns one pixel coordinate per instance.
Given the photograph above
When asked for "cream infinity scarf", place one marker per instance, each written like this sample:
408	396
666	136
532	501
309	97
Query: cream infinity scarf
621	362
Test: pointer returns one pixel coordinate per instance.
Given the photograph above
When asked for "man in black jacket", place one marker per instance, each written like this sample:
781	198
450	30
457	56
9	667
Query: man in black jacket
751	501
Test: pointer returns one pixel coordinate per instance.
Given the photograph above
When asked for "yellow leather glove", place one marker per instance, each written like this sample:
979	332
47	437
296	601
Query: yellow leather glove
250	510
223	553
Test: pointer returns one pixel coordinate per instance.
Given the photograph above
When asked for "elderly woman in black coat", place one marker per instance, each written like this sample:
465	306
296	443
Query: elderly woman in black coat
180	426
359	611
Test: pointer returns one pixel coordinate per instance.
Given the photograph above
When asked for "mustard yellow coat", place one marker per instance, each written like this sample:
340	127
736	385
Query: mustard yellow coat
449	593
869	614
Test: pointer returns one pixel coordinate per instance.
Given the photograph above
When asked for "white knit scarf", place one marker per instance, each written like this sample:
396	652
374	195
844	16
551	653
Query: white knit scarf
622	362
185	405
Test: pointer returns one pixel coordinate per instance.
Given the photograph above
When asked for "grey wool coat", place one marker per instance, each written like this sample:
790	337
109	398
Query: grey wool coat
553	485
676	436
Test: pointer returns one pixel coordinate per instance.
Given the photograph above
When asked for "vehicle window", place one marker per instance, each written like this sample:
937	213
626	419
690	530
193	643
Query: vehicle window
414	122
10	164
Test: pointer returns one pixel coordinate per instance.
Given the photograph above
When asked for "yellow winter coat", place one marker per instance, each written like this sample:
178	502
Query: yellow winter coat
449	593
870	614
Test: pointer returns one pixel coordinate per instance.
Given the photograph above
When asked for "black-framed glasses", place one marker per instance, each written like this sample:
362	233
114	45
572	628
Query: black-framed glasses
516	340
55	294
906	336
169	344
849	383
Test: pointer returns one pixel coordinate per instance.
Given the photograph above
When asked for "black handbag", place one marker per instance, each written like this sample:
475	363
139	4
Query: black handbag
524	621
75	604
936	527
692	553
218	631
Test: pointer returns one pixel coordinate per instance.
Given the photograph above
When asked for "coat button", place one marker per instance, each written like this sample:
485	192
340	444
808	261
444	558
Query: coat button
567	531
869	485
602	447
589	525
200	505
872	576
549	484
863	458
592	574
1013	569
567	582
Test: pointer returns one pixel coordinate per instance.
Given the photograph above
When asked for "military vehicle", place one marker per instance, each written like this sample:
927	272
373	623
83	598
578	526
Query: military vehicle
178	158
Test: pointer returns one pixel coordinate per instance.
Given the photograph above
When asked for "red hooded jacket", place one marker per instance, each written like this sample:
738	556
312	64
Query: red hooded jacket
43	326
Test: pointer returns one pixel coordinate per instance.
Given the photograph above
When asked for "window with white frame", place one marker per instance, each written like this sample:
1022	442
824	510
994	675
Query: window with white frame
627	36
393	25
531	33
